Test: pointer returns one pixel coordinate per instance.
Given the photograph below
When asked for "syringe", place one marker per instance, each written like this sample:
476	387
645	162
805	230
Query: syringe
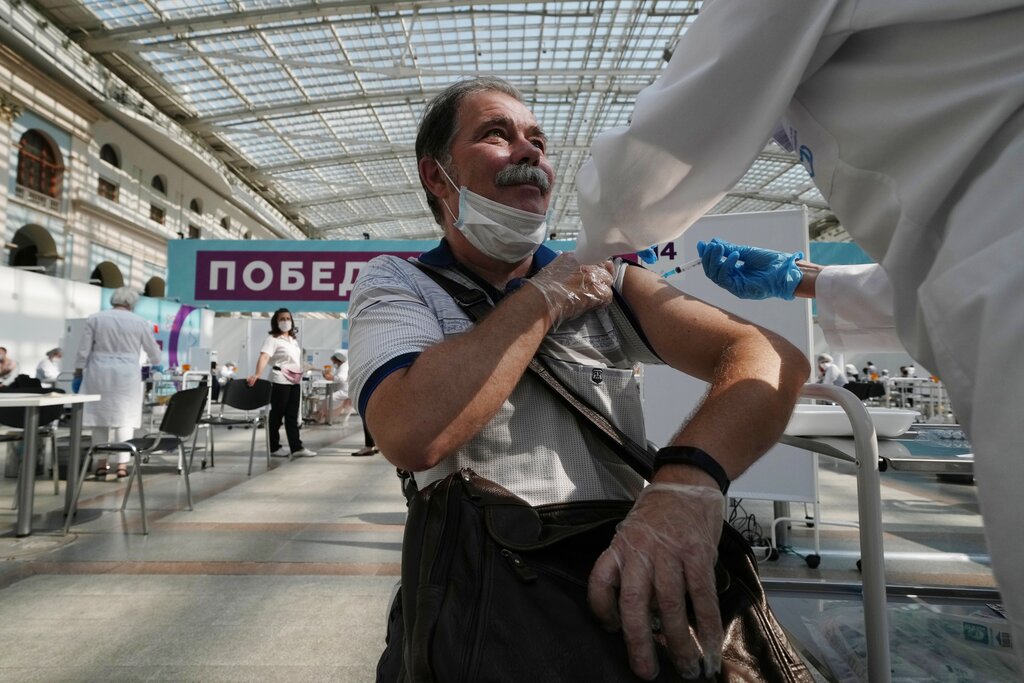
683	268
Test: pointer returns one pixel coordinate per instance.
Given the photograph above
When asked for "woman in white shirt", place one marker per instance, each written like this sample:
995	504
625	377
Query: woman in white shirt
282	352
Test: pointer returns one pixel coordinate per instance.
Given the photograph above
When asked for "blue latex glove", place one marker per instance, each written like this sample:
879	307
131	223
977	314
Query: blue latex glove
76	384
648	255
764	273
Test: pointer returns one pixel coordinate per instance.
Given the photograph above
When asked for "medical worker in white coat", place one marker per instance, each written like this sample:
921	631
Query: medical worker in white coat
108	363
909	117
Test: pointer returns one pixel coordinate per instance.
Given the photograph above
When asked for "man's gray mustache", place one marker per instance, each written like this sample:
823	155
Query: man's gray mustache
520	174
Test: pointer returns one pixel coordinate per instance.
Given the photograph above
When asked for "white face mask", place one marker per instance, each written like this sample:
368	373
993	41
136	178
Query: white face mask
285	325
501	232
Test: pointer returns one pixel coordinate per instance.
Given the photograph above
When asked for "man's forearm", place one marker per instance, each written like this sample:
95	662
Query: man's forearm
746	408
422	414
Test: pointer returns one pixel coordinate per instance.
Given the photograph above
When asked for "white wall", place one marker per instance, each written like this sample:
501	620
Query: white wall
33	308
784	473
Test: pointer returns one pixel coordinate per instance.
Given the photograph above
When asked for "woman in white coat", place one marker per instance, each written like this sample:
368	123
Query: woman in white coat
337	374
909	118
48	369
108	363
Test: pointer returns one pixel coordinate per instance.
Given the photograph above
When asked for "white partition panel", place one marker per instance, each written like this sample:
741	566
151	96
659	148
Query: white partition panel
784	473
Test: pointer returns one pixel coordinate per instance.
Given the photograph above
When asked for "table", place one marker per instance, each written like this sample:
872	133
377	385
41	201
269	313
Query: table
27	481
314	386
930	449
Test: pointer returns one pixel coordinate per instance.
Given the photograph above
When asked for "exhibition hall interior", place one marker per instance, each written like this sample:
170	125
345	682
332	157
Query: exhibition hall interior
208	211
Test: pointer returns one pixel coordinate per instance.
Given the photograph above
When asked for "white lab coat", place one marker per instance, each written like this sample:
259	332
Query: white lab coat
910	117
340	383
109	357
855	309
833	374
47	373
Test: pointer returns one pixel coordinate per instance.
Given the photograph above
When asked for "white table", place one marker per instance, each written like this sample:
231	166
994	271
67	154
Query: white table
27	481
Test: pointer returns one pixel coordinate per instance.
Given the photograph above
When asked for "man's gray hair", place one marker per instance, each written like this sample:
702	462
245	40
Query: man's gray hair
441	121
124	296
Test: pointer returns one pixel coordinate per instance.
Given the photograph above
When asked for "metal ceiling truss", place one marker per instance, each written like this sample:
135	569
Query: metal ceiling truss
315	104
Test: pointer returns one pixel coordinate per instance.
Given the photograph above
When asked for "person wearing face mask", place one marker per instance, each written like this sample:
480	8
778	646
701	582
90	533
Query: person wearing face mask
49	368
440	393
8	368
829	372
281	351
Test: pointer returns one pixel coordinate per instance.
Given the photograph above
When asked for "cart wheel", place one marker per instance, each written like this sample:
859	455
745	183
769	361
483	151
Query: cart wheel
809	522
858	565
773	554
202	465
813	561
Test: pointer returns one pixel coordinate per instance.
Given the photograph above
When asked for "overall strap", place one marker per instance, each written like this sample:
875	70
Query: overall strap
474	302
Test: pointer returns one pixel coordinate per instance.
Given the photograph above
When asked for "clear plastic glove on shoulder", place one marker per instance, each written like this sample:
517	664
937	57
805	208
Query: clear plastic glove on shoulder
663	553
571	289
763	273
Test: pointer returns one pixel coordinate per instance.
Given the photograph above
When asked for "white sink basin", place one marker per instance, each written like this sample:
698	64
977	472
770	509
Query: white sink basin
821	420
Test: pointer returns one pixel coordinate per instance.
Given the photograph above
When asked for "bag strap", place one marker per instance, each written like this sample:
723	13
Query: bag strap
476	305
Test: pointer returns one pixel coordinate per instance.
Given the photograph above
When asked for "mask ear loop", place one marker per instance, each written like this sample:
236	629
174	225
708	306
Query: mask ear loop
452	183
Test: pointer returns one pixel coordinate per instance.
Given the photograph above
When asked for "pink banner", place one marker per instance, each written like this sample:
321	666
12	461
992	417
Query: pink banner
280	275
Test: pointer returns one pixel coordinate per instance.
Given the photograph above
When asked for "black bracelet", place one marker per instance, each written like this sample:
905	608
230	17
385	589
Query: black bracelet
689	455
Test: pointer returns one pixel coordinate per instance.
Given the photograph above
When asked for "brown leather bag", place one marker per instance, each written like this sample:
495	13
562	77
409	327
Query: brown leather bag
496	590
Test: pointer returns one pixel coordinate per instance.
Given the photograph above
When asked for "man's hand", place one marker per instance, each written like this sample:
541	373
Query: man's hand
571	289
764	273
664	551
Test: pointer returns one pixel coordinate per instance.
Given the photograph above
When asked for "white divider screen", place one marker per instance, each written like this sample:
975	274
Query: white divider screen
784	473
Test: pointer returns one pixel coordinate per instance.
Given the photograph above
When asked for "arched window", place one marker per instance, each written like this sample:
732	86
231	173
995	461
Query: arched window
155	287
109	155
159	185
195	206
40	167
107	275
225	223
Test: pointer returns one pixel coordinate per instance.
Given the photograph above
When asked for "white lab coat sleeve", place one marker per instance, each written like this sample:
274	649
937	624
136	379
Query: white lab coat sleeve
85	344
151	348
855	309
698	128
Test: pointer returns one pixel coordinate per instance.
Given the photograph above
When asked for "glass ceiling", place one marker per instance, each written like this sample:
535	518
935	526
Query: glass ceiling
315	104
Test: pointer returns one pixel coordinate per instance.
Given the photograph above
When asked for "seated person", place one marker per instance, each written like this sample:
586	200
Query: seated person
8	368
337	374
48	369
440	393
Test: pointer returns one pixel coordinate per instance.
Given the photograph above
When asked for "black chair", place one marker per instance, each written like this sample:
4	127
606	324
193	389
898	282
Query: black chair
239	395
179	422
15	419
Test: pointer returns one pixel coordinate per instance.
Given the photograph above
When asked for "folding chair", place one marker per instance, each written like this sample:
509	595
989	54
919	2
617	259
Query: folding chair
179	422
239	395
48	416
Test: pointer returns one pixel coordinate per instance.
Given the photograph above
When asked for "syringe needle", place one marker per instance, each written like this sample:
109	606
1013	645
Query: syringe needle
683	268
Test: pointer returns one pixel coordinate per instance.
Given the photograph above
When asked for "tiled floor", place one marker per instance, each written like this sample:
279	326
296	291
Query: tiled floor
285	575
